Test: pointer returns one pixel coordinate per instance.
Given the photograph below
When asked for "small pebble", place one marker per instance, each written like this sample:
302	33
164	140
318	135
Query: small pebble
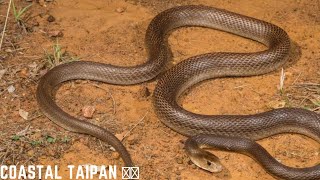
56	33
23	73
51	18
132	140
87	111
8	50
145	92
11	89
120	10
179	160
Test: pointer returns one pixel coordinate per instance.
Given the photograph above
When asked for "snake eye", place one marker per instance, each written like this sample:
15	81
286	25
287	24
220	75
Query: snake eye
206	161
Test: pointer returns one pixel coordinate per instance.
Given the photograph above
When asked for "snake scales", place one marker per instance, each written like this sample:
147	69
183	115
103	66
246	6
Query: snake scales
228	132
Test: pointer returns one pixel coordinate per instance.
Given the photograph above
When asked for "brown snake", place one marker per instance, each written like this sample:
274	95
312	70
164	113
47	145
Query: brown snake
227	132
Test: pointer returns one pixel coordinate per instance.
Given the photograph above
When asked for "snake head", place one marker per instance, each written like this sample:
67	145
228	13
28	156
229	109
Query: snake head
206	161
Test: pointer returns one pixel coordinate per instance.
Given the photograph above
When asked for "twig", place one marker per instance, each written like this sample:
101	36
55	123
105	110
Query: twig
294	82
113	102
241	86
4	157
124	136
282	78
101	145
307	84
5	25
316	109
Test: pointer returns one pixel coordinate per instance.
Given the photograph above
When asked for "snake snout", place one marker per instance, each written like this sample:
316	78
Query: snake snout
206	161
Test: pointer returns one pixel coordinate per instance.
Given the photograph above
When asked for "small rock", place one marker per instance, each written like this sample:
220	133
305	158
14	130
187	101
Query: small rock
194	166
51	18
24	73
120	136
145	92
120	10
277	104
179	160
8	50
24	114
11	89
56	33
87	111
132	140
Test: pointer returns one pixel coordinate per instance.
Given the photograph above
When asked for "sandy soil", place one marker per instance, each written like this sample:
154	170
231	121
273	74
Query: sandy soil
113	32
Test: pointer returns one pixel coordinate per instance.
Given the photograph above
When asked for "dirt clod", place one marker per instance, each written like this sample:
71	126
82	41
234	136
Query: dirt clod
88	111
132	139
179	160
144	92
120	10
55	33
51	18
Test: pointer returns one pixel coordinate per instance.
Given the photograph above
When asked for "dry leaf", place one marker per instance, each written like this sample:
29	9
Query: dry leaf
121	135
23	132
24	114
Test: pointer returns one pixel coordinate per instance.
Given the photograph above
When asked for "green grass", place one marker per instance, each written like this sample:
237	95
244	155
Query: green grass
57	56
16	138
18	14
50	139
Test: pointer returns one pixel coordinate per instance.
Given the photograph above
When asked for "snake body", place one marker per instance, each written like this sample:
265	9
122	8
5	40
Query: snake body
187	73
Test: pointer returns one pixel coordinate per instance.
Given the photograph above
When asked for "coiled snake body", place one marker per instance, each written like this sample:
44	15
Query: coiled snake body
229	132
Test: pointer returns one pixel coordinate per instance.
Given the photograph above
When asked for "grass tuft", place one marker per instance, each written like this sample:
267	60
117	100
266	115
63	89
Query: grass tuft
58	56
18	14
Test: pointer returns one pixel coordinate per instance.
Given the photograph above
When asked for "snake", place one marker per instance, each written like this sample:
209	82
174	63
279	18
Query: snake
226	132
